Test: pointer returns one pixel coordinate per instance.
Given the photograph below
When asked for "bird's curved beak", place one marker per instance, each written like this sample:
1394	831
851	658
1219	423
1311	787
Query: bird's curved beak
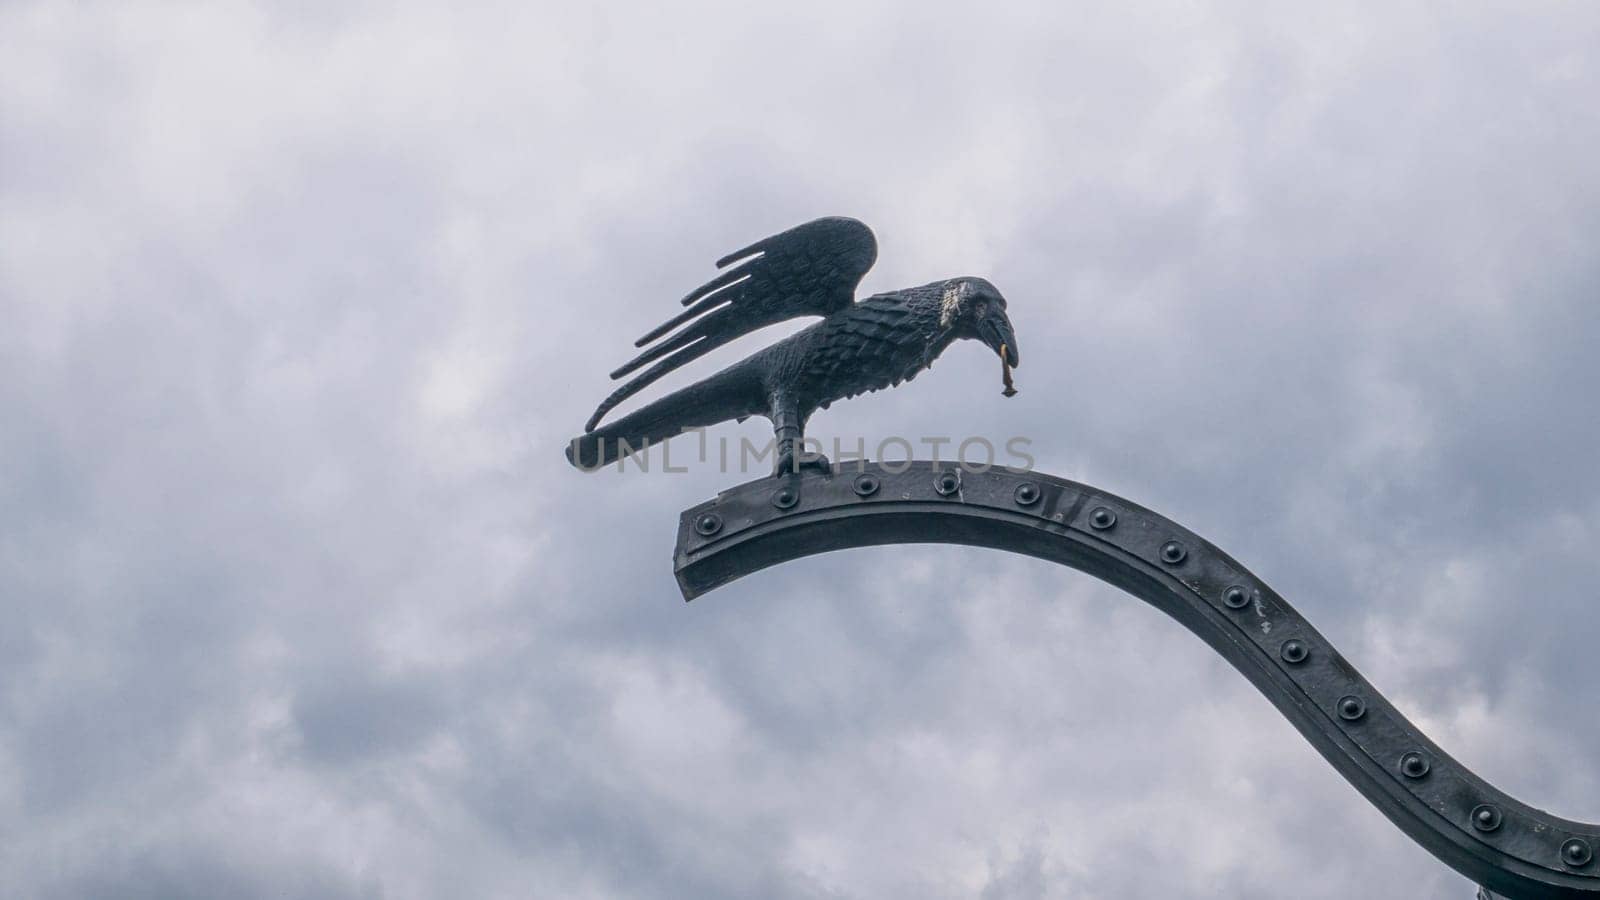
995	331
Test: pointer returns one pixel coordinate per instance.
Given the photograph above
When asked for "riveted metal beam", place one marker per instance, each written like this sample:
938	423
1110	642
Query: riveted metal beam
1478	830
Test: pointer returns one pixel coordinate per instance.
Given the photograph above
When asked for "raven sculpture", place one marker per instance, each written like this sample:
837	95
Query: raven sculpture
809	270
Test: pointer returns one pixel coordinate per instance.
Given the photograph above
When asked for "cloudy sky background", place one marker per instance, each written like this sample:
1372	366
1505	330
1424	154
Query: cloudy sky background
302	302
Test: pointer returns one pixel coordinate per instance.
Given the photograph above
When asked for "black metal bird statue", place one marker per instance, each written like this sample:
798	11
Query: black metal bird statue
809	270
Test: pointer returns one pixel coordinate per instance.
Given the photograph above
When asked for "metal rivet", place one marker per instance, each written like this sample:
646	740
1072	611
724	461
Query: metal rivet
1101	518
1294	651
1173	553
1414	765
1486	818
1026	494
1351	708
1235	597
708	524
947	483
866	485
1576	852
785	498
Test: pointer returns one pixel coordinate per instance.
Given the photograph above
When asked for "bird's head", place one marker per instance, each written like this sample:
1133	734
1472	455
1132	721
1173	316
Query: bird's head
974	309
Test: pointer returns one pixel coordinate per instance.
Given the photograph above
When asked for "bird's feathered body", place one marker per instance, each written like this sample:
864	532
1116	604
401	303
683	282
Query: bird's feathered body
857	347
877	343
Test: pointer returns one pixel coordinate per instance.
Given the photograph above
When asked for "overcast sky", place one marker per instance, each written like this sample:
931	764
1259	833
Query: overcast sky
301	303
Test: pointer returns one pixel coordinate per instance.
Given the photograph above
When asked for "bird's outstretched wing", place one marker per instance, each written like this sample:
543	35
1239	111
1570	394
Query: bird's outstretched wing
809	270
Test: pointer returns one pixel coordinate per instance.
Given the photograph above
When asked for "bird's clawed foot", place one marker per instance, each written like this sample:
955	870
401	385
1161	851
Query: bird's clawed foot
793	460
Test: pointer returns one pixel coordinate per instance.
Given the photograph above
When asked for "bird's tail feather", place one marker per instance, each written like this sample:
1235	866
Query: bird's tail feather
730	394
693	350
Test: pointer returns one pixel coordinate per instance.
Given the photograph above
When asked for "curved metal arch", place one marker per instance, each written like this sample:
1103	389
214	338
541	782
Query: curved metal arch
1470	825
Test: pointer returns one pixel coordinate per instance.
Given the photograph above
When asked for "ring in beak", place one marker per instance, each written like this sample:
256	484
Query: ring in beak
995	331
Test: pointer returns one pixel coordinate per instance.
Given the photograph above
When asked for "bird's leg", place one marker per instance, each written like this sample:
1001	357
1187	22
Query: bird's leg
786	430
788	427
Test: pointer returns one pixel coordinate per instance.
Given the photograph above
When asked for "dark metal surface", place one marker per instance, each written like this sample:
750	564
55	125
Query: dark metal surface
1515	850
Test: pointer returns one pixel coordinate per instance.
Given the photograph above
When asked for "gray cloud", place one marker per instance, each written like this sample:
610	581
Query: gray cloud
302	305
